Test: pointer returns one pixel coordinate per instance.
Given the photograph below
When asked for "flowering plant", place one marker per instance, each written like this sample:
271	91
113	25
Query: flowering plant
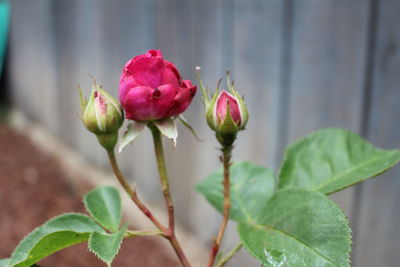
282	220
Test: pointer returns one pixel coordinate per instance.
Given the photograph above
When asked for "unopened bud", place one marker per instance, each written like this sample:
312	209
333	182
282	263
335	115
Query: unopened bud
102	115
226	112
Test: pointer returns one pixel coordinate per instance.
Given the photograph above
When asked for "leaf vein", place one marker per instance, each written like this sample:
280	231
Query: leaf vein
298	240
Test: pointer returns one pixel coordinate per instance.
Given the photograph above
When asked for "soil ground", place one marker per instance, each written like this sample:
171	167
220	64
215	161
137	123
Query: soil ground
34	189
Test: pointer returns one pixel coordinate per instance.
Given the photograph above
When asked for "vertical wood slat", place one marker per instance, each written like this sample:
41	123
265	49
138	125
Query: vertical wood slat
326	81
78	51
256	61
378	232
129	31
32	57
207	45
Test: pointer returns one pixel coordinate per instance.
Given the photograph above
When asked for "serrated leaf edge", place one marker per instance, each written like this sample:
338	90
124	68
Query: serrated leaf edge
124	230
92	216
343	216
309	136
38	228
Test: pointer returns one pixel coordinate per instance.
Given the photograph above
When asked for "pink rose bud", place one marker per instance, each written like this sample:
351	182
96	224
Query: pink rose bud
227	103
226	111
151	88
102	115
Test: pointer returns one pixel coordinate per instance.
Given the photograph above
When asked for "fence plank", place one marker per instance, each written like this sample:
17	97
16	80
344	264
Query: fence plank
378	235
32	61
256	64
326	79
173	38
78	55
129	31
207	43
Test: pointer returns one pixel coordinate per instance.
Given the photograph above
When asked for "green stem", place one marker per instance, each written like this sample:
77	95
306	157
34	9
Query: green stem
226	158
229	255
131	233
159	151
132	192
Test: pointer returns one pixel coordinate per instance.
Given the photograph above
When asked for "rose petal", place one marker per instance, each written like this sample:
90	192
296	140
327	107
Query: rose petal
125	84
147	71
182	100
234	110
151	88
144	103
171	75
154	53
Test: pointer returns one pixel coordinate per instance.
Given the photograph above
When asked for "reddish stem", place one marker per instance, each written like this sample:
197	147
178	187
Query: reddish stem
132	192
226	157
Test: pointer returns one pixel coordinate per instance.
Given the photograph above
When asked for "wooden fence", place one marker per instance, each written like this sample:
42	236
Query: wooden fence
302	65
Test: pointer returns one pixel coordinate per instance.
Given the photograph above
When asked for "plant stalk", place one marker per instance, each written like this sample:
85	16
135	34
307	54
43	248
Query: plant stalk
132	192
229	255
226	158
171	236
131	233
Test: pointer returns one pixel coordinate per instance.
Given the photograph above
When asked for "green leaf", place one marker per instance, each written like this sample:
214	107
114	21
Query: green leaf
106	246
299	228
4	262
132	132
167	128
251	187
330	160
60	232
104	204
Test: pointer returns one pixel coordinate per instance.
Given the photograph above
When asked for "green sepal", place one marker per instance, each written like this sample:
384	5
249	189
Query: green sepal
167	128
228	126
244	113
204	91
229	83
132	132
89	117
189	127
83	101
211	112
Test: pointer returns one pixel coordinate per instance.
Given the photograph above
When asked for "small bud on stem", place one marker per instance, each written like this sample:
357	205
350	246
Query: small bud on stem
102	115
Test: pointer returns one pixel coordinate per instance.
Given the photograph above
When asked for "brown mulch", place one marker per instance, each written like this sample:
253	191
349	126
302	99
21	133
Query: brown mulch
34	189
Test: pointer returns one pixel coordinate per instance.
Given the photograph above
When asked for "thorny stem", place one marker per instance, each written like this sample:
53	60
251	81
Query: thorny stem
226	158
229	255
132	192
158	147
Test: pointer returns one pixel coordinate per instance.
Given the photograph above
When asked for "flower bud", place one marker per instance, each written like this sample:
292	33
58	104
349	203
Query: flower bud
102	115
226	112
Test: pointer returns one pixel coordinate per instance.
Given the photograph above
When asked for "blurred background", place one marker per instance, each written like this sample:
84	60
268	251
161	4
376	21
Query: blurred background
301	64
